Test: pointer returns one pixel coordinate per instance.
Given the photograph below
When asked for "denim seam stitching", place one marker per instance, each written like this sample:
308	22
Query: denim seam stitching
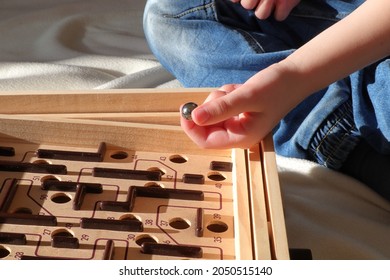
253	43
341	141
316	17
337	18
328	133
191	10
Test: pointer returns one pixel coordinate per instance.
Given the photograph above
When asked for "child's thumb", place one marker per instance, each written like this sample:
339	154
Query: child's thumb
216	110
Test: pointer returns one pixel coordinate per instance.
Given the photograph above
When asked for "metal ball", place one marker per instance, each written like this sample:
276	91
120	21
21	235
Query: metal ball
187	109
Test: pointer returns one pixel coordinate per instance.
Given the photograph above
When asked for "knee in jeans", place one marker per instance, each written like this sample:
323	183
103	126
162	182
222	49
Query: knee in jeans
155	23
151	15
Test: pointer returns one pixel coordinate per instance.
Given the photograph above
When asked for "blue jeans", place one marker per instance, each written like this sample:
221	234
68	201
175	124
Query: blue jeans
209	43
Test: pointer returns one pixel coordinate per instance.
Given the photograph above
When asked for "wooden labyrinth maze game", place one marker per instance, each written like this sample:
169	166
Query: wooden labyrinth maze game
110	175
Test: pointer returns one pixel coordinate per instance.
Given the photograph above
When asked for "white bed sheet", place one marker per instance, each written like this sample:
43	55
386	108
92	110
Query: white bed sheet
81	44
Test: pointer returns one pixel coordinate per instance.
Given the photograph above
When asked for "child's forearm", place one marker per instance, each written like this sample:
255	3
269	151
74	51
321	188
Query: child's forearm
351	44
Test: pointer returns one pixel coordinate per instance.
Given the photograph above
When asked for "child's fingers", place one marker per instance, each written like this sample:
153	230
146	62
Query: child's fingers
237	132
214	95
225	123
205	136
283	9
194	132
222	108
249	4
264	9
187	113
230	87
225	89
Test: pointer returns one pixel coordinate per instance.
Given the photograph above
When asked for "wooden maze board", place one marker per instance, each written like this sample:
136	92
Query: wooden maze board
90	182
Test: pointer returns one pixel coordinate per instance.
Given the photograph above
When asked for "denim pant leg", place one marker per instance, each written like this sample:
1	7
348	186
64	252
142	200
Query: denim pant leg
200	51
208	43
370	89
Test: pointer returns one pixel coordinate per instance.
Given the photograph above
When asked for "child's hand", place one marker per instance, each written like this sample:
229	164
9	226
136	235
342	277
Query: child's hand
264	8
239	116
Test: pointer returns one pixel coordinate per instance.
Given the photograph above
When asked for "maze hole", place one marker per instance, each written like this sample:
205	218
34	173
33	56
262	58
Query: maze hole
157	169
49	177
178	159
179	223
62	232
145	238
41	161
153	184
60	198
4	252
120	155
216	176
129	217
217	226
23	210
